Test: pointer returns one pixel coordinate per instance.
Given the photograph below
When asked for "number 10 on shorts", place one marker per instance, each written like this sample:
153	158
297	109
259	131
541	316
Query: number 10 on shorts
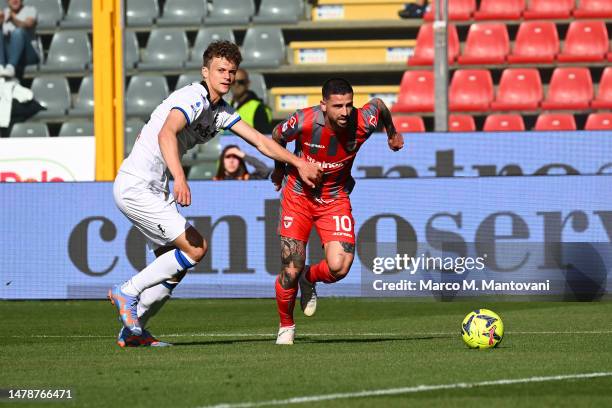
343	223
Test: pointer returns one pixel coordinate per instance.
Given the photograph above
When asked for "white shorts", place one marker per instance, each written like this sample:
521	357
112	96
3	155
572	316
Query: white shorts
153	212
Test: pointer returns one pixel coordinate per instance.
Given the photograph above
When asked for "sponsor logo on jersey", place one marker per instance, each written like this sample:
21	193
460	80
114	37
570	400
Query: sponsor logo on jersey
325	165
287	221
373	121
318	146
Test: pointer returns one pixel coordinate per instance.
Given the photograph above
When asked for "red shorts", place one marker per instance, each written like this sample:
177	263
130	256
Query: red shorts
333	220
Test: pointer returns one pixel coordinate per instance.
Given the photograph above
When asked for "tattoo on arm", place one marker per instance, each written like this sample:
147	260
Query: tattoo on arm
348	247
385	115
293	257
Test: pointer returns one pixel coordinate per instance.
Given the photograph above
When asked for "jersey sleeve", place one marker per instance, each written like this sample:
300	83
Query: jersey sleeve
290	128
371	114
188	101
227	117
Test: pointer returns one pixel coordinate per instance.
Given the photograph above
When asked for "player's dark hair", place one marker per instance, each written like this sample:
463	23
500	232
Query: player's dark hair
336	86
241	173
222	49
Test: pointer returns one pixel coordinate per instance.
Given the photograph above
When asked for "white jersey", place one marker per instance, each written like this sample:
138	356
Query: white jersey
203	122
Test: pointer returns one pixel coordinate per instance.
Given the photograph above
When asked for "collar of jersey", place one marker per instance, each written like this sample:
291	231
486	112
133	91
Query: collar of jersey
212	106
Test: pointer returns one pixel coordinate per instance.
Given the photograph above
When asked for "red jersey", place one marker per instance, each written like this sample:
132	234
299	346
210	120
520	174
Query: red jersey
334	152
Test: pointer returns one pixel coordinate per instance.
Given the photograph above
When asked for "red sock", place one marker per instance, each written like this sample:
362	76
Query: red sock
285	301
320	273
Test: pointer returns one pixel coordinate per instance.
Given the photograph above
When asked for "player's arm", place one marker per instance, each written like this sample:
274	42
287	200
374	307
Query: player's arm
280	168
168	144
309	173
395	139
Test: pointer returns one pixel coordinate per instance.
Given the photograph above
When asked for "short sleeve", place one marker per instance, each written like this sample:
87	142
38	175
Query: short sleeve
290	128
189	101
228	117
371	114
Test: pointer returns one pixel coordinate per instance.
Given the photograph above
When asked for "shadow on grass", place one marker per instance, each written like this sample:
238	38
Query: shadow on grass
309	340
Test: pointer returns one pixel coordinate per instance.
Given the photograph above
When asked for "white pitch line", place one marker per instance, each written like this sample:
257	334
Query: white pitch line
406	390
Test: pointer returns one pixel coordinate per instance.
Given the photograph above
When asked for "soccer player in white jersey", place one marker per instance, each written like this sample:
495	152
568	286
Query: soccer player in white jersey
189	116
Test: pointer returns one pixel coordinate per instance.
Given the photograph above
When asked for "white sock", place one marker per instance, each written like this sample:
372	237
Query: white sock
163	268
152	299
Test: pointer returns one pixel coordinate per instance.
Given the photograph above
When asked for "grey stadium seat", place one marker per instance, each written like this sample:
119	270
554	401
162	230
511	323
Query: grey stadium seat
69	51
166	48
50	12
144	93
258	85
183	12
30	129
279	11
204	37
237	12
141	13
203	171
78	14
53	93
186	79
84	101
132	129
77	128
263	47
132	50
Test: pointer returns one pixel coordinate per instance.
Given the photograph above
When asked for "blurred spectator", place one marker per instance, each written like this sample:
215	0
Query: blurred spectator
232	166
18	45
249	106
415	9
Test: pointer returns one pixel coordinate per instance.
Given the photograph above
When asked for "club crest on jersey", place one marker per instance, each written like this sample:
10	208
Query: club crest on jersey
287	221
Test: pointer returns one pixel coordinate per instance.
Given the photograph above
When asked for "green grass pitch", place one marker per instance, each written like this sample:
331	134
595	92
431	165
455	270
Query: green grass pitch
225	353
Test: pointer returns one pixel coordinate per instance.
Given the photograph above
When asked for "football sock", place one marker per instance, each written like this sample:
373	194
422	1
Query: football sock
320	273
285	301
163	268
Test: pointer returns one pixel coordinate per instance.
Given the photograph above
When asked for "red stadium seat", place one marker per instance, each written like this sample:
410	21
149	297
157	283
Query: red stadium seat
536	41
500	10
416	92
594	9
603	100
504	123
408	123
569	88
519	89
487	43
538	9
599	121
457	10
585	41
555	121
461	123
424	50
471	90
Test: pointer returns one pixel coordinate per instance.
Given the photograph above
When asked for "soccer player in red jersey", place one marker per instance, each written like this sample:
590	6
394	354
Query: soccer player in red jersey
330	135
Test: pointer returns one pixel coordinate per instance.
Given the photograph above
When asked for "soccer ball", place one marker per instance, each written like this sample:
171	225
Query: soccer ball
482	328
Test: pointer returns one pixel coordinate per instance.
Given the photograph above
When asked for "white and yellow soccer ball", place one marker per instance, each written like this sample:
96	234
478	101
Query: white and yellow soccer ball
482	328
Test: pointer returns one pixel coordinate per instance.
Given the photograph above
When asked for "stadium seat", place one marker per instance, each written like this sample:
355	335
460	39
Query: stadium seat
132	49
78	14
536	41
599	121
263	47
77	128
457	10
555	121
539	9
461	123
470	90
186	79
204	37
500	10
183	12
166	48
504	123
519	89
29	129
84	101
408	123
569	88
203	171
209	151
132	130
258	85
141	13
603	100
50	12
594	9
585	41
416	92
487	43
144	93
279	11
231	12
424	50
69	51
53	93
